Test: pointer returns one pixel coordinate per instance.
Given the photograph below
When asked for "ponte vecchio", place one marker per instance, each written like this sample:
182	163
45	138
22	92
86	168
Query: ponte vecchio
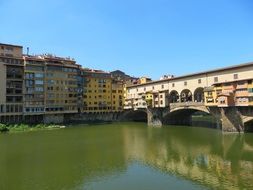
225	93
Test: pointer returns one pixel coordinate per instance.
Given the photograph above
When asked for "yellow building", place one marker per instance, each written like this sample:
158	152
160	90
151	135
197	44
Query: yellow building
97	91
144	80
101	92
149	99
231	93
210	96
117	95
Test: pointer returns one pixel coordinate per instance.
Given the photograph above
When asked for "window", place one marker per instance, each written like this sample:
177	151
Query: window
29	75
29	83
39	82
216	79
39	75
145	89
39	89
162	86
173	84
199	81
185	83
235	76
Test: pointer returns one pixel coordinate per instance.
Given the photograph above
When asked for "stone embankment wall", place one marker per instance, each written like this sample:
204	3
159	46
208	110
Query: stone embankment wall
54	118
94	117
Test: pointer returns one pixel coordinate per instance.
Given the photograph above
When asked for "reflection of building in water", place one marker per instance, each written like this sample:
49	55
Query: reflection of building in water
62	161
215	160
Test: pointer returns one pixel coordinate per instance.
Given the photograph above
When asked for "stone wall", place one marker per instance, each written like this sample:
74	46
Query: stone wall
54	118
93	117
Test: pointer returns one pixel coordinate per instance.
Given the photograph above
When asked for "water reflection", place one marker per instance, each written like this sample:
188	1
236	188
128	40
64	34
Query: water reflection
202	155
124	156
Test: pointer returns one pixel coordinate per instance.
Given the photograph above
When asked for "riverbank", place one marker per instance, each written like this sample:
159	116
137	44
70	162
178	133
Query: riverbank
5	128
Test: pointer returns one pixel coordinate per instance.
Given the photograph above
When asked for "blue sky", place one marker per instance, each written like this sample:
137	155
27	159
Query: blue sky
140	37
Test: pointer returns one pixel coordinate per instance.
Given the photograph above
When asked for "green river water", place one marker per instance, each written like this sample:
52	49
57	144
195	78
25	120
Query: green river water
126	156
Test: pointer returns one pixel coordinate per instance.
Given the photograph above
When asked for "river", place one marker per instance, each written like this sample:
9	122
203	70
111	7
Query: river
126	156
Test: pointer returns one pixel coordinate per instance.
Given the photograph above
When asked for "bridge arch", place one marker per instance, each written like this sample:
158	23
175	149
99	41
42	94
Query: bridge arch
173	96
183	115
135	115
192	108
199	94
186	95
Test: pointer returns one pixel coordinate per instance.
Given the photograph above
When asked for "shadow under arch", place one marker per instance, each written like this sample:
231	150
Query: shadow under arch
135	115
173	96
190	117
248	126
199	94
186	95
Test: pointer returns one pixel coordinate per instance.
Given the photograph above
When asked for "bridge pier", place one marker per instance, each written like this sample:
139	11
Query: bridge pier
155	117
229	119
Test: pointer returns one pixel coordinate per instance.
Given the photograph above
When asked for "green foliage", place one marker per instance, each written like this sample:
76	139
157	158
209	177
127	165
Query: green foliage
3	128
26	127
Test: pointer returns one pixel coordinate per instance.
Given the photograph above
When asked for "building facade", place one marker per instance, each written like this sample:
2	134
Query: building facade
102	92
190	88
11	83
234	93
51	87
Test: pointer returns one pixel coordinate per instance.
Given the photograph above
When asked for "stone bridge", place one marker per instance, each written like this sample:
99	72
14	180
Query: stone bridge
228	119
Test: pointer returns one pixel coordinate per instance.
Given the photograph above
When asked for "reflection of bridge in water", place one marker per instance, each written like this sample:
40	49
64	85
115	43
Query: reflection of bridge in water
212	159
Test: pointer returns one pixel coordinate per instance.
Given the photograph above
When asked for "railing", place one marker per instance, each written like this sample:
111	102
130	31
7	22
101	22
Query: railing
185	104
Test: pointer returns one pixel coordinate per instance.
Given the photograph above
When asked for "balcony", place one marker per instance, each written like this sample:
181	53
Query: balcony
242	86
242	93
243	101
13	92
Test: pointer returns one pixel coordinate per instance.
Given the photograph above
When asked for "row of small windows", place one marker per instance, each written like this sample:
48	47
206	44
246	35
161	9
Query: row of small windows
101	103
10	108
99	96
11	61
51	95
65	69
99	86
216	79
115	91
34	75
100	108
34	110
68	82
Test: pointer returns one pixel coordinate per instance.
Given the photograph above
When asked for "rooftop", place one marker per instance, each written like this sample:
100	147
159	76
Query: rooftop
2	44
196	74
